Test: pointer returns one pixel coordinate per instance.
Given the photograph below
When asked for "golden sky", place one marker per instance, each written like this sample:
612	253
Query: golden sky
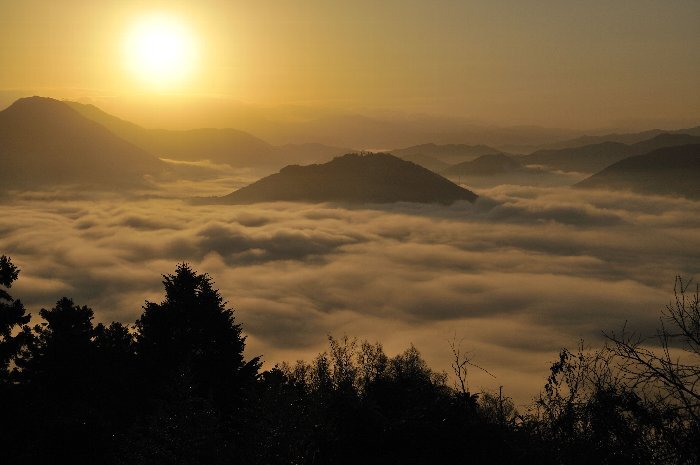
582	64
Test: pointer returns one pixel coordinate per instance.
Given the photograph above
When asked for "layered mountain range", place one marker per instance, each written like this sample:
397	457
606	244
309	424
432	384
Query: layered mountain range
46	142
665	171
227	146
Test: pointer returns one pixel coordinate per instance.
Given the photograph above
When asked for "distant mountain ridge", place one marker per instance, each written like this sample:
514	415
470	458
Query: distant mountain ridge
353	178
485	165
426	161
622	138
402	130
44	142
593	158
498	169
228	146
446	153
665	171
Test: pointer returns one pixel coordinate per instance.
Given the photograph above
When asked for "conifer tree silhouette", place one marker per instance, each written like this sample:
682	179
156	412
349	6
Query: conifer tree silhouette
14	332
192	336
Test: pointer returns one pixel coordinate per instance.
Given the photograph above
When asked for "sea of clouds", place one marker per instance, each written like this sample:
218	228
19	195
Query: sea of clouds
515	277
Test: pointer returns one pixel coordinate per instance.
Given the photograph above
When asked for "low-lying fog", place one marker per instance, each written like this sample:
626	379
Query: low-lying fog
518	275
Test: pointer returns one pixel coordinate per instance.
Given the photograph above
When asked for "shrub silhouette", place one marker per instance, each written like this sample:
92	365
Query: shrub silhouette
176	389
354	404
636	400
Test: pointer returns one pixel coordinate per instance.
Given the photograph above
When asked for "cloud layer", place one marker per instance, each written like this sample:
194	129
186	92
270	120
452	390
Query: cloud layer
517	275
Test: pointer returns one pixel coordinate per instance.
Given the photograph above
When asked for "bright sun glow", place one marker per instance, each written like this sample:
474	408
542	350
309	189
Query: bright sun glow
160	50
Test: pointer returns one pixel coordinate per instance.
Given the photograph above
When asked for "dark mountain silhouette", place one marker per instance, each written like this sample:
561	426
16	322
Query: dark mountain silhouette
664	140
448	153
44	142
665	171
353	178
485	165
623	138
228	146
593	158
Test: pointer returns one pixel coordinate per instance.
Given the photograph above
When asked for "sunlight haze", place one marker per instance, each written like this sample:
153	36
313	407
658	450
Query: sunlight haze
160	50
331	232
580	65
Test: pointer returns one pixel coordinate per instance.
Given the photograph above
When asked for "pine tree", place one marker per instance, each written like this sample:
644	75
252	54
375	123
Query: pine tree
14	332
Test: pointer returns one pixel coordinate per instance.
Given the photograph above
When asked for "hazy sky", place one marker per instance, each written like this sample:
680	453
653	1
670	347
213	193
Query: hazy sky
585	63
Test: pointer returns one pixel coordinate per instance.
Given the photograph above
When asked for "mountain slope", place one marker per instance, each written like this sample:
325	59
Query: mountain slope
44	142
498	169
587	159
593	158
447	153
485	165
370	178
665	171
664	140
624	138
228	146
426	161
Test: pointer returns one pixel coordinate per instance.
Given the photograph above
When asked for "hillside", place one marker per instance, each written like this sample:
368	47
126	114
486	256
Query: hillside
499	169
228	146
666	171
623	138
44	142
426	161
447	153
664	140
485	165
370	178
595	157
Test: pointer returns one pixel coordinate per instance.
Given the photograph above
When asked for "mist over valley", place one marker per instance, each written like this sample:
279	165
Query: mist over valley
521	270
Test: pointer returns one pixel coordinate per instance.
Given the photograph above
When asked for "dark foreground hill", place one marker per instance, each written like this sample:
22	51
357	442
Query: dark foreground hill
44	142
353	178
666	171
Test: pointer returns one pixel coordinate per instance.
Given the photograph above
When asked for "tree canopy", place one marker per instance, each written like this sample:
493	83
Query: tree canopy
175	388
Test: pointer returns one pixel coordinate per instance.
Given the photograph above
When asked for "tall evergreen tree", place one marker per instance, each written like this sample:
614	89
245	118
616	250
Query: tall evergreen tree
191	336
197	390
14	332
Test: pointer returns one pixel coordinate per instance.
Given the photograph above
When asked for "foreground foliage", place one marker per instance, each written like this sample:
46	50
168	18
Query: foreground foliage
175	389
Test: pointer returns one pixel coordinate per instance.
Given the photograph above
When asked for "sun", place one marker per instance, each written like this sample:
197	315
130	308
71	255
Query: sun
160	50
